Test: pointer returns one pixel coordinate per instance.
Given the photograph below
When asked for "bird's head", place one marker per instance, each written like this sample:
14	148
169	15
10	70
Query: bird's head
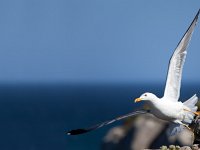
146	97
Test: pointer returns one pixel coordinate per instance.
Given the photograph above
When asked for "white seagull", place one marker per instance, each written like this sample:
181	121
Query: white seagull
168	107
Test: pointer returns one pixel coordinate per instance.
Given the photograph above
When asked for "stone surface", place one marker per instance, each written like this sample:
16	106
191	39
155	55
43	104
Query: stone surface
185	148
196	147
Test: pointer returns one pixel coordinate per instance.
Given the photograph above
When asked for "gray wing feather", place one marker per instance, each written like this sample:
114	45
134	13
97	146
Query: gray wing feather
173	83
97	126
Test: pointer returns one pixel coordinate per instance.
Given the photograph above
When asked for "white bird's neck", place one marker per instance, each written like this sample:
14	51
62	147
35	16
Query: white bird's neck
154	100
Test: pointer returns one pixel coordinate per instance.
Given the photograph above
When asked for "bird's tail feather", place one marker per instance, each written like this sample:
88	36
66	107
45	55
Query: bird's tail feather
190	104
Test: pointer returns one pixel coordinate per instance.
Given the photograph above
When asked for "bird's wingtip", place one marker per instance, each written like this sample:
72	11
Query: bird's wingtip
197	15
68	132
198	12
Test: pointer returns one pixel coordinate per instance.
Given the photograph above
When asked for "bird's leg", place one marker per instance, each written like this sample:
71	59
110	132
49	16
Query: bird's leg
196	113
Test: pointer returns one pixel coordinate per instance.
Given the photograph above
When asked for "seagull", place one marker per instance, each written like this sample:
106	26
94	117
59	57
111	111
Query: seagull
168	108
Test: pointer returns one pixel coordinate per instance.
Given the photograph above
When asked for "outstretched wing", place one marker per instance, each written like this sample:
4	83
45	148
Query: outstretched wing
81	131
173	83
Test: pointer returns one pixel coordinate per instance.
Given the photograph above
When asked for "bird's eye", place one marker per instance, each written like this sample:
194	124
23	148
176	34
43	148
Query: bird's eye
145	94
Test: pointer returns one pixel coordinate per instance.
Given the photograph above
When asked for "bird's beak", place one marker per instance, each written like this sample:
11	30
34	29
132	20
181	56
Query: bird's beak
137	100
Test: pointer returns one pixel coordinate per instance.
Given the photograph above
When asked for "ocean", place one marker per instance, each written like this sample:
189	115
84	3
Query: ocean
36	116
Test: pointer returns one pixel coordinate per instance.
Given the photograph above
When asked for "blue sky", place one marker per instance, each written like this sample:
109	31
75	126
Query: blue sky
94	40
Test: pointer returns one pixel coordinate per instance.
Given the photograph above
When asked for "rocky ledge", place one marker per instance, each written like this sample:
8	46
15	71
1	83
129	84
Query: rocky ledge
173	147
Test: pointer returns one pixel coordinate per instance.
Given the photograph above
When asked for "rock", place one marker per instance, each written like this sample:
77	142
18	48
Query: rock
172	147
185	148
147	129
115	135
178	147
196	129
163	148
195	147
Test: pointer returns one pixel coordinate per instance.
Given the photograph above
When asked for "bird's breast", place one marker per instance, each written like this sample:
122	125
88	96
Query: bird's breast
166	110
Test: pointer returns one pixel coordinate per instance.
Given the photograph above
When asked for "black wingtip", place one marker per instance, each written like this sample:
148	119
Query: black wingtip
194	20
196	17
76	132
198	13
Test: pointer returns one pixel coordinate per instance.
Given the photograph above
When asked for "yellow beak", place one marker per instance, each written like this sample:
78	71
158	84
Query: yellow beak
137	100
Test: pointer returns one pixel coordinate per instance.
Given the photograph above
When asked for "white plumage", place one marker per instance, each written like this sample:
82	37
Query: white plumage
168	107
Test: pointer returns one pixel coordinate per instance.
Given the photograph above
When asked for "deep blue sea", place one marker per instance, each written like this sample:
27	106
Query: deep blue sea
35	116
